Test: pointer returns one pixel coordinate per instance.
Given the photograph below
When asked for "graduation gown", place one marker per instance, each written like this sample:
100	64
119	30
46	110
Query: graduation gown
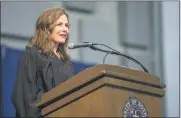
36	75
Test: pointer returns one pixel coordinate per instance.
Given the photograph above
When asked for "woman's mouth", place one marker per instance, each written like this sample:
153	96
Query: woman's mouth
63	35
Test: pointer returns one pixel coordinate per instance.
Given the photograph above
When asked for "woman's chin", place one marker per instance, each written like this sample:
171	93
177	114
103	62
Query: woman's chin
61	41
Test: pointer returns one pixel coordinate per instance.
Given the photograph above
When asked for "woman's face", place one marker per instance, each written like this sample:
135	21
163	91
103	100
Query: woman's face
61	30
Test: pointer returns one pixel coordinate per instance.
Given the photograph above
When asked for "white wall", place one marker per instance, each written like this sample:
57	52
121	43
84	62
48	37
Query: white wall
171	56
99	27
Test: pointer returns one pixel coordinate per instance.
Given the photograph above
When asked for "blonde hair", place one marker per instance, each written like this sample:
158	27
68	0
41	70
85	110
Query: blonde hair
44	27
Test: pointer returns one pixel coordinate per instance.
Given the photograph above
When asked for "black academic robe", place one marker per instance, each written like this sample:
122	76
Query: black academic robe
36	75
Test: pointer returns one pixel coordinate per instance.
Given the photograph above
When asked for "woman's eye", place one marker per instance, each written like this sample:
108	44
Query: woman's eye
59	24
67	25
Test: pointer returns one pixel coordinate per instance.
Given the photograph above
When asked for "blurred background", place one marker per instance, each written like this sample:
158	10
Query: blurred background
147	31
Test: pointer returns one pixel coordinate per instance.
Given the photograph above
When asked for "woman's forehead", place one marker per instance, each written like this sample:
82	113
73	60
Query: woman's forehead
62	19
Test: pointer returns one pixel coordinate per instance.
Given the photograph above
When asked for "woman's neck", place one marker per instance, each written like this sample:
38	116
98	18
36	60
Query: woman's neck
55	49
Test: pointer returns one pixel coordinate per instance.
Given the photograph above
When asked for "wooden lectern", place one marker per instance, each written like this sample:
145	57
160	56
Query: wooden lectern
105	91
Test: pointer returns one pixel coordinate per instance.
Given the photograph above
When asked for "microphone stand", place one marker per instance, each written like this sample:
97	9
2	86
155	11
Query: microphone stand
120	54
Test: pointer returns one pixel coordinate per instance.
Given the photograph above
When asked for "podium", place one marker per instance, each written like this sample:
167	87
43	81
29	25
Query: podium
105	91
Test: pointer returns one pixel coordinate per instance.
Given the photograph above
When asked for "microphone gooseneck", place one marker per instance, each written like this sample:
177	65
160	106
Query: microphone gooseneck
80	45
115	52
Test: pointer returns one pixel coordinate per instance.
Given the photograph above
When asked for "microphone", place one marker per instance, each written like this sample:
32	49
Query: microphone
80	45
91	45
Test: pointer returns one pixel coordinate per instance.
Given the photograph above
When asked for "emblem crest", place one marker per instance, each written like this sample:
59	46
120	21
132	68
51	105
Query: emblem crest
134	108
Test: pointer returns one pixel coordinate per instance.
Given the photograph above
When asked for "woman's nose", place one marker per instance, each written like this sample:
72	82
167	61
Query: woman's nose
65	29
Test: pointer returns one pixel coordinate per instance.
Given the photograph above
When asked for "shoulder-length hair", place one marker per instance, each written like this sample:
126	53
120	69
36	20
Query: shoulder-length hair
44	27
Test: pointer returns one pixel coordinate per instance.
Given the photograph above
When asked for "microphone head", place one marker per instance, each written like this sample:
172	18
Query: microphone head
71	46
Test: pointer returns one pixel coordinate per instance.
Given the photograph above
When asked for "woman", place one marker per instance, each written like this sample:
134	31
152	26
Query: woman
45	63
